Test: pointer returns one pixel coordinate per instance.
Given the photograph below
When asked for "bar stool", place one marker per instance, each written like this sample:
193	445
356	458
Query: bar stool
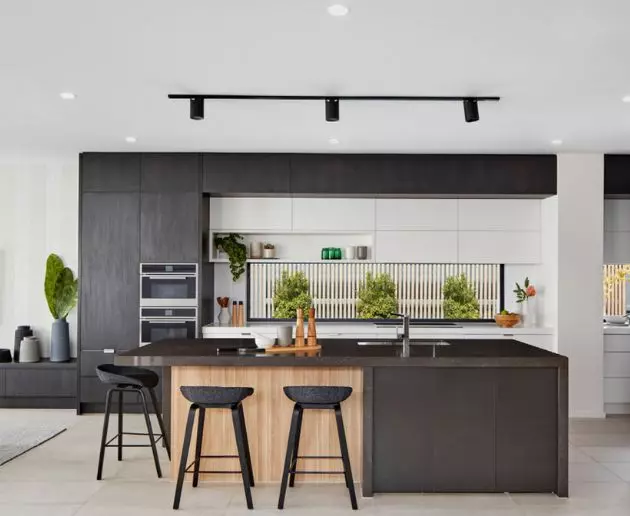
202	398
127	379
319	398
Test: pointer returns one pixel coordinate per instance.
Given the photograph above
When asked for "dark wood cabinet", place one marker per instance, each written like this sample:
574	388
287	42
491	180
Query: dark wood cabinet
171	173
110	284
617	175
246	173
110	172
169	227
44	383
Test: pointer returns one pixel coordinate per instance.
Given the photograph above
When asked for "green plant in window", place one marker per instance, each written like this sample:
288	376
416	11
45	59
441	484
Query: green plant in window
460	299
232	245
291	293
377	297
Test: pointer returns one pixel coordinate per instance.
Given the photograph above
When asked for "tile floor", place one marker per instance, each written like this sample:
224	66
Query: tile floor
57	479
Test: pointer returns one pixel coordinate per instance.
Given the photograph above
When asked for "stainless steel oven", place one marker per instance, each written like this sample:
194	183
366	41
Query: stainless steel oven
168	284
167	323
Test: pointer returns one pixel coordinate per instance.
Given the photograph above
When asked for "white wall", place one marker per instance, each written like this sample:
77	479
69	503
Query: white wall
38	215
580	259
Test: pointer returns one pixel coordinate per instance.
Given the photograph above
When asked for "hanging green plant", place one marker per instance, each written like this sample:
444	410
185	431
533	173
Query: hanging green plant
377	297
460	300
232	245
291	293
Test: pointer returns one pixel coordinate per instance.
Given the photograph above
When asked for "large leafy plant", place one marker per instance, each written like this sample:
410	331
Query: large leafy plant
460	300
377	297
236	250
291	293
61	287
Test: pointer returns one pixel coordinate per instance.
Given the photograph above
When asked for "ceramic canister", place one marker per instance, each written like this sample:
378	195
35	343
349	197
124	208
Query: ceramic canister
20	333
350	253
29	349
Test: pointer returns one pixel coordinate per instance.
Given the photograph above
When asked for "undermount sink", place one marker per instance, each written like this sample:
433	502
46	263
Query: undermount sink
419	324
412	342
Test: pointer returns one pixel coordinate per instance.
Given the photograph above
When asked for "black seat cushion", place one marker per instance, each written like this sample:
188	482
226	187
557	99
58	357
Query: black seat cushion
127	375
317	395
215	395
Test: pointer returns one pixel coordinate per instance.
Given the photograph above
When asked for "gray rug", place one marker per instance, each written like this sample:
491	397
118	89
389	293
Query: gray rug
17	439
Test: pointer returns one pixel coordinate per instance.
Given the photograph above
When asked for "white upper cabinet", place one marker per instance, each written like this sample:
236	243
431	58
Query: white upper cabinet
416	214
319	214
617	215
499	215
616	246
250	213
416	246
499	247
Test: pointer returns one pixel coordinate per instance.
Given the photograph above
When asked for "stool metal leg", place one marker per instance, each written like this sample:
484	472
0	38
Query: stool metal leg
158	413
200	423
120	424
345	456
289	455
242	455
296	448
241	414
147	419
101	455
184	458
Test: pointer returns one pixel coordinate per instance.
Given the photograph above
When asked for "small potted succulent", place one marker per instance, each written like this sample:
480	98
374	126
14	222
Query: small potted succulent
269	251
506	319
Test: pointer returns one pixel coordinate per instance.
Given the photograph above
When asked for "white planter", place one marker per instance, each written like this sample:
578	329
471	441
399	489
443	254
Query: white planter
269	253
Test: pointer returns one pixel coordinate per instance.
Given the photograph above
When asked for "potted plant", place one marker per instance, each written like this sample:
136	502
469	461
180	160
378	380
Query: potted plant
524	296
62	290
269	251
232	245
377	297
460	299
291	293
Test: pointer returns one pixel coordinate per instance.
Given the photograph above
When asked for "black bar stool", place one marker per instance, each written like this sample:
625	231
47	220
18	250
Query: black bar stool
130	379
315	398
202	398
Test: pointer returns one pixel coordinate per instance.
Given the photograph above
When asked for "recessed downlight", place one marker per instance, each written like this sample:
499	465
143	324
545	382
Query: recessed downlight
626	99
338	10
556	142
130	139
333	141
67	95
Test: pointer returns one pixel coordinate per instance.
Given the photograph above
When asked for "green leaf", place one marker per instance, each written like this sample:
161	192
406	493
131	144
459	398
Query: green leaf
236	251
54	266
526	282
66	293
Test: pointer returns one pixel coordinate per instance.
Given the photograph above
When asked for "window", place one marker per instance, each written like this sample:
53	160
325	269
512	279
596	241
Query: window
334	287
616	286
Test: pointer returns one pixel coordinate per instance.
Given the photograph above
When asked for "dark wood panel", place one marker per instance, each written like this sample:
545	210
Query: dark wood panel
169	227
38	403
110	172
171	173
2	384
110	285
91	359
463	435
45	383
617	175
246	173
527	431
403	429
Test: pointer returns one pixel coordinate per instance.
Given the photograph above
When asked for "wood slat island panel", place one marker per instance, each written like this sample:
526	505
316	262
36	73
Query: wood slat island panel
268	417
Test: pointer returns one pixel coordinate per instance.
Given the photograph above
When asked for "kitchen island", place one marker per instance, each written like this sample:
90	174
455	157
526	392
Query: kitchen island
455	416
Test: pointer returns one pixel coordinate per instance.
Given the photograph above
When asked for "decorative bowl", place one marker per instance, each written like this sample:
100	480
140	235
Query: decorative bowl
507	320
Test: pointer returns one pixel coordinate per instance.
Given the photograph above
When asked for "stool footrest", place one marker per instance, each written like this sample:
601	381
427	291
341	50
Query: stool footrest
109	445
300	472
319	457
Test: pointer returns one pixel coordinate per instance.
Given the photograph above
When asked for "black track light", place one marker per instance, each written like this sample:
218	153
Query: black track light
196	108
471	110
332	109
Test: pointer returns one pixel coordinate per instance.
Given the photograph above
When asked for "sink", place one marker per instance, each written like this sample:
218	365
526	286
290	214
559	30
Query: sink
418	324
412	342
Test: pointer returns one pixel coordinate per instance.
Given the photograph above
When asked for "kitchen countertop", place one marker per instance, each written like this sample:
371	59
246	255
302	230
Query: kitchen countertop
345	352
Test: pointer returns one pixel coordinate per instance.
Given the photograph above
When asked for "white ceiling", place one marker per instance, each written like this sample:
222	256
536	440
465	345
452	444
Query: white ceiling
561	67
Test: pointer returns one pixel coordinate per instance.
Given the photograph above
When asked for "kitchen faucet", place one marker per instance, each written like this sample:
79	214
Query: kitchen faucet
406	347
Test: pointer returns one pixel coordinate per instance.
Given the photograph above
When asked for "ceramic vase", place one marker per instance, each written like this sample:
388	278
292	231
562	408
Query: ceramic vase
269	253
531	307
20	333
29	350
60	341
224	316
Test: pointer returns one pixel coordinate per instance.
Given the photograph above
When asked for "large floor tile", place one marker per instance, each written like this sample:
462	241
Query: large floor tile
600	439
607	453
37	510
621	469
47	492
577	455
593	472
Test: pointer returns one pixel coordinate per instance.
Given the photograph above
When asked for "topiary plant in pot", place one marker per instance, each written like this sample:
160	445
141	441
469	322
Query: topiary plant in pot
62	291
377	297
460	300
291	293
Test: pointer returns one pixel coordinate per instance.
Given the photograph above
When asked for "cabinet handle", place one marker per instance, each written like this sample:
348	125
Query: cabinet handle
109	350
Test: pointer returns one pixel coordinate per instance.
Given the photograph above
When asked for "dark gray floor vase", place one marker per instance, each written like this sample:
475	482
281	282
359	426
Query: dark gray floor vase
60	341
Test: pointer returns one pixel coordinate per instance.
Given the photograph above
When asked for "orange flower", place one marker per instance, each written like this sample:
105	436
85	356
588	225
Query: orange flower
530	291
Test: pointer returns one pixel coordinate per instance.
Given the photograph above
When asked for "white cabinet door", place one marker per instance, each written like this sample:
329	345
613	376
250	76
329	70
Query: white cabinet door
499	247
616	390
419	214
616	246
250	213
617	215
620	343
616	365
499	214
313	214
416	246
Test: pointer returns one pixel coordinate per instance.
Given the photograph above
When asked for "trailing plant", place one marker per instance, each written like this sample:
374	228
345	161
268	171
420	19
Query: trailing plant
269	246
377	297
460	299
291	293
232	245
60	287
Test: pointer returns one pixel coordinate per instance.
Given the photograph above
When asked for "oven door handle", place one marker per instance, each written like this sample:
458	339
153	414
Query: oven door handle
167	321
169	276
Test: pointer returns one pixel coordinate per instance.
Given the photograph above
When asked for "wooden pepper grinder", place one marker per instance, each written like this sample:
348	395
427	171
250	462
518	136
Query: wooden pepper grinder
311	339
299	329
241	314
234	314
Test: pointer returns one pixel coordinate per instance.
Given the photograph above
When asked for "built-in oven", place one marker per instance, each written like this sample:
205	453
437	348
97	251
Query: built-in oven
167	323
168	284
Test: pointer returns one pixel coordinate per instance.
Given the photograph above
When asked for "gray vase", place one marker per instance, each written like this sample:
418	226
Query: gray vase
60	341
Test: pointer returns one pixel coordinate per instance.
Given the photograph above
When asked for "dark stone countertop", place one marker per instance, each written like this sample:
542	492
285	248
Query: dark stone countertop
344	353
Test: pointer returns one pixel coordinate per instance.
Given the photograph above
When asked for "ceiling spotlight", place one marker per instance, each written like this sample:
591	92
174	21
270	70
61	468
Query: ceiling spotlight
67	95
196	108
130	139
626	99
332	109
471	110
556	142
333	141
338	10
